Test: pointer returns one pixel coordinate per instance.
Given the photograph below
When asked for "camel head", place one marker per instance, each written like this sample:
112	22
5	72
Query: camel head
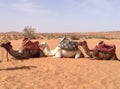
43	45
6	45
82	43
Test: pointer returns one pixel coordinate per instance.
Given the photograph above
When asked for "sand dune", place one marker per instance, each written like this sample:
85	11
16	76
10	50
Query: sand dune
60	73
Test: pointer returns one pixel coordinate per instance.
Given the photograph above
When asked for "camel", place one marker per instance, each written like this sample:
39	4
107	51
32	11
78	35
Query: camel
60	53
24	55
98	54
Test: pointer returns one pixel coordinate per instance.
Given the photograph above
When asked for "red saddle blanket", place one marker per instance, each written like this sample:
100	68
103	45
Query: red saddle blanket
28	44
105	47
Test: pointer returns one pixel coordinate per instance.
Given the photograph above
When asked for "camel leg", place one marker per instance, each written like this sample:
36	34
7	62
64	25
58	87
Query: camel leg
58	54
7	56
114	57
94	58
79	54
82	55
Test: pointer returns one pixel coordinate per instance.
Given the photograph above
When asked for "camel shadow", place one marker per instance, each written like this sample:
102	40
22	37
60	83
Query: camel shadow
19	68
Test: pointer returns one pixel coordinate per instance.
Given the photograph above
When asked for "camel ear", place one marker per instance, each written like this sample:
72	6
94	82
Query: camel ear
84	41
9	43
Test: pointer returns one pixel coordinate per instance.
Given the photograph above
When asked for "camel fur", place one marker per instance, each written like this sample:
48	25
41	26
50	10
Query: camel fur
97	54
24	55
59	53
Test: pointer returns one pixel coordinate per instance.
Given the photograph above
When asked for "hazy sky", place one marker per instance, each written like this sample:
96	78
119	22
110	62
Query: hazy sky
60	15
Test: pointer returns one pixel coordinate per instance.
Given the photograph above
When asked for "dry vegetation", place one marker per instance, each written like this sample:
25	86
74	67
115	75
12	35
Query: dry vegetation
73	36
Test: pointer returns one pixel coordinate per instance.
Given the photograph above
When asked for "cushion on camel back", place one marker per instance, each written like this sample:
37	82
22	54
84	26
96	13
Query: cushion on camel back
108	48
28	44
68	44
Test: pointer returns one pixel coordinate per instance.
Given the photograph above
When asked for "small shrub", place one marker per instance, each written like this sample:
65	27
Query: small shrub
74	37
29	32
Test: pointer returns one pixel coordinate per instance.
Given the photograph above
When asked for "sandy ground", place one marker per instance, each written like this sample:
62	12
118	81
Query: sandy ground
60	73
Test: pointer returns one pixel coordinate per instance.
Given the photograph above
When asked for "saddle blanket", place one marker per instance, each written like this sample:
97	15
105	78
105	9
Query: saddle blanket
28	44
68	44
109	48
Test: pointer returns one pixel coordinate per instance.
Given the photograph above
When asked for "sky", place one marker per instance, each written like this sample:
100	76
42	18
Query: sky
60	15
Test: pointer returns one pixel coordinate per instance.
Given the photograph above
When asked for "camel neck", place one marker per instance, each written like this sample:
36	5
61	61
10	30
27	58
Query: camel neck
87	50
15	53
11	51
46	51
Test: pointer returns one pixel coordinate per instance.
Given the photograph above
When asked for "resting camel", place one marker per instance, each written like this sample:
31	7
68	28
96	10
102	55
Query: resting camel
59	53
24	55
101	54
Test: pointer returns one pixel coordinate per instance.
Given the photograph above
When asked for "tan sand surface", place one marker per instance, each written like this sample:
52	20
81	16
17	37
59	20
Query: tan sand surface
60	73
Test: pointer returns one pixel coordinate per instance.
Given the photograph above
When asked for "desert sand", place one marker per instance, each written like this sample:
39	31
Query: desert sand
60	73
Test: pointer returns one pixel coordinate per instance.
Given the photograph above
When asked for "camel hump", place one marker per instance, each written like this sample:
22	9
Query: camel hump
68	44
106	47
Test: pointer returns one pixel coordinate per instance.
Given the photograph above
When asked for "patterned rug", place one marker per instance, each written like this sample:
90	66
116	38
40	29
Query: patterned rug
68	44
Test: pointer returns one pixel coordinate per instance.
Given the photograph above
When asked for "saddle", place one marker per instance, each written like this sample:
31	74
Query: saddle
68	44
30	45
107	48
